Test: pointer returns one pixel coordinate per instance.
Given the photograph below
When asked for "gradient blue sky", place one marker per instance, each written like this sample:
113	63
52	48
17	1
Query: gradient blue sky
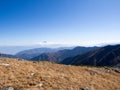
80	22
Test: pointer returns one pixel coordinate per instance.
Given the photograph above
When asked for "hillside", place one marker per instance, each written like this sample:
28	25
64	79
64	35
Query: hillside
62	54
27	75
105	56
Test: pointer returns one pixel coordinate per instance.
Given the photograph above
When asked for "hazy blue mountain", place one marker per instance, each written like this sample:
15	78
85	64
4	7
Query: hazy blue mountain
7	55
14	49
30	53
62	54
105	56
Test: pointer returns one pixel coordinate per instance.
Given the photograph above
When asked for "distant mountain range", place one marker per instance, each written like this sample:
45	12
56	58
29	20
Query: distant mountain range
31	53
105	56
94	56
15	49
7	55
62	54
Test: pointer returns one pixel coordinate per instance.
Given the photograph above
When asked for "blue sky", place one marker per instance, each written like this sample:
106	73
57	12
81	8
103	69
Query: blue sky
73	22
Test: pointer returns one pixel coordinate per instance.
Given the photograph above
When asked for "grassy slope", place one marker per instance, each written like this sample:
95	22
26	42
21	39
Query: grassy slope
50	76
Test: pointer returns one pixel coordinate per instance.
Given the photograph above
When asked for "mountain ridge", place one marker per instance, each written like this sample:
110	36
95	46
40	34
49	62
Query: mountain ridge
62	54
30	53
105	56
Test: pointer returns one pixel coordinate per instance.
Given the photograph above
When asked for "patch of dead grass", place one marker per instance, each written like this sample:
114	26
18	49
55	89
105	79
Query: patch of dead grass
51	76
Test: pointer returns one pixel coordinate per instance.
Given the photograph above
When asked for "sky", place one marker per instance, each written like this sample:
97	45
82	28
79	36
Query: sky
69	22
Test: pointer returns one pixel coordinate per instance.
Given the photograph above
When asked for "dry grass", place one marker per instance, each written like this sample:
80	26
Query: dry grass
51	76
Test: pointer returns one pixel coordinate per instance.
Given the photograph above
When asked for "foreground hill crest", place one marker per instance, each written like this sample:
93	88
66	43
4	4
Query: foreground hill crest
50	76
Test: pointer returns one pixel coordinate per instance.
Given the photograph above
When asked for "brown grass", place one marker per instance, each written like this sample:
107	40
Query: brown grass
51	76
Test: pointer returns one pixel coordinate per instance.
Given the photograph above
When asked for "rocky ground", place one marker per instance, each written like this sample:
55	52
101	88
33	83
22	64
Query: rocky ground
27	75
